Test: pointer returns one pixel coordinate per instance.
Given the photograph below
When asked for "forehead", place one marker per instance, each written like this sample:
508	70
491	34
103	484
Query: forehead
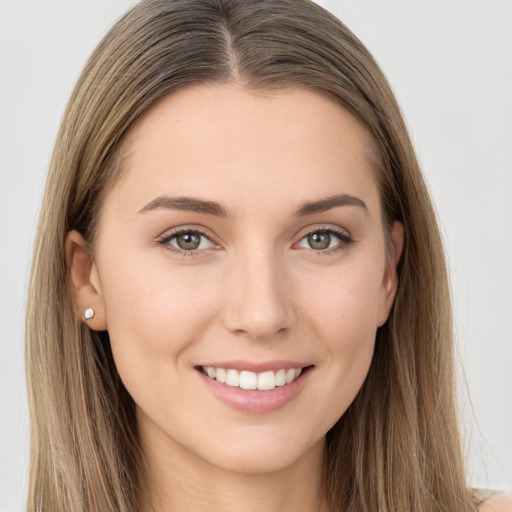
246	148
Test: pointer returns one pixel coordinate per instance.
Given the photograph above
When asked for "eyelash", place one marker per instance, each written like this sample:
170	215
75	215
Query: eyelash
164	240
346	241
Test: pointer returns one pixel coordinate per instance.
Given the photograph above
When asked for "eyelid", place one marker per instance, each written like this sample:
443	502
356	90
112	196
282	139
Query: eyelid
194	228
346	239
324	227
164	239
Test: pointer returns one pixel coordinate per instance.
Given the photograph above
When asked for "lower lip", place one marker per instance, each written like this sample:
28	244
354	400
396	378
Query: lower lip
254	401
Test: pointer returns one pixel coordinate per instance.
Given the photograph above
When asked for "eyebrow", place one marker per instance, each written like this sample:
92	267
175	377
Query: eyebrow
187	204
327	203
192	204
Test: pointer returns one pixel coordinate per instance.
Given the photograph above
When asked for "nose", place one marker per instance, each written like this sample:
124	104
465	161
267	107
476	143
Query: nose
259	304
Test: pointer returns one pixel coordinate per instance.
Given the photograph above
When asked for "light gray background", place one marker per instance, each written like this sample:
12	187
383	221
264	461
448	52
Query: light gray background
450	63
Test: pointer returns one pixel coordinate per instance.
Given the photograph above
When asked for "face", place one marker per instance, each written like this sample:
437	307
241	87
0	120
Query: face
240	269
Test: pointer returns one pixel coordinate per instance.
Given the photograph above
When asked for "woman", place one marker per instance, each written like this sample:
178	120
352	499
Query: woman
239	296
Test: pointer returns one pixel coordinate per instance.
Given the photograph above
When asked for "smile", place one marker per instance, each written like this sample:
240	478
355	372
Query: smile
248	380
255	388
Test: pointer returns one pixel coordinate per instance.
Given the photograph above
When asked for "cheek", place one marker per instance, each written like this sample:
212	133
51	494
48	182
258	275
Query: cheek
343	315
343	305
153	313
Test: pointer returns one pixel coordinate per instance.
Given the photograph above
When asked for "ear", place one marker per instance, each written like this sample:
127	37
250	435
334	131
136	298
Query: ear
390	281
84	282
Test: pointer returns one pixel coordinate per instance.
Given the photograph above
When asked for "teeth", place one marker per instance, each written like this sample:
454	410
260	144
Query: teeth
263	381
221	375
232	378
248	380
266	380
280	377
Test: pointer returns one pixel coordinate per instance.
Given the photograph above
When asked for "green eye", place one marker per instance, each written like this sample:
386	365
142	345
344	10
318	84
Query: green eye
326	240
189	241
319	240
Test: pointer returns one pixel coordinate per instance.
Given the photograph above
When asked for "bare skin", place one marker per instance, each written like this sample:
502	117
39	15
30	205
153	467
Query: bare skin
498	503
240	278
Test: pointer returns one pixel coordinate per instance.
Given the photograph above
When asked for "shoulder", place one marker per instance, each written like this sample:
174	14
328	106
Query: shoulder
497	503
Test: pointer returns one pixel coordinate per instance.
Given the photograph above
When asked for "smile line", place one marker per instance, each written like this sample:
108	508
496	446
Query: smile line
247	380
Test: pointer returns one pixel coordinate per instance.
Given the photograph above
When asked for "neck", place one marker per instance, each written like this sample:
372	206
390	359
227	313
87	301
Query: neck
182	482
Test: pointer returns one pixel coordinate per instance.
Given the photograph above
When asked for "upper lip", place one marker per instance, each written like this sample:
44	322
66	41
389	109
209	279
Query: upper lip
256	367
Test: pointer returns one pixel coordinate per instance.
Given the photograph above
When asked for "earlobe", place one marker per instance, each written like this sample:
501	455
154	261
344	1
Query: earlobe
84	283
390	282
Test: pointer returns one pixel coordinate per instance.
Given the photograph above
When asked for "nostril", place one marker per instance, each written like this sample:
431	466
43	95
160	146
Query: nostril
258	306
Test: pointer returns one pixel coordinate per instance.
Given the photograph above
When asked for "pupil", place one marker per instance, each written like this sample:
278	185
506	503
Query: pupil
319	240
189	241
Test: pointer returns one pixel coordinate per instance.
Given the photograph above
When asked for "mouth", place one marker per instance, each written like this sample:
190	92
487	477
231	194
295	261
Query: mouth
249	380
255	392
269	388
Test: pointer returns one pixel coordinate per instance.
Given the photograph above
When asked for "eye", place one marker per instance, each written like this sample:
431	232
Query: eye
186	241
325	240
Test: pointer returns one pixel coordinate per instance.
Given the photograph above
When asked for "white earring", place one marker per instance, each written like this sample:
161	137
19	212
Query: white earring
89	313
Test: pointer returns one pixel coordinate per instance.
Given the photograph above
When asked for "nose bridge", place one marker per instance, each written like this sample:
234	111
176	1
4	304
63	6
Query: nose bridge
258	299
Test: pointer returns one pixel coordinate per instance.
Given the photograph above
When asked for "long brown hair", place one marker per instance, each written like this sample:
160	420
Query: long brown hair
397	447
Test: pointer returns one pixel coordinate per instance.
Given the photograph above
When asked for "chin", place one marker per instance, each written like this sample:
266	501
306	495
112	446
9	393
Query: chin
263	455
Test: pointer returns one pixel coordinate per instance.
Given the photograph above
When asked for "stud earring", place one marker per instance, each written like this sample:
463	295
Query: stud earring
89	313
